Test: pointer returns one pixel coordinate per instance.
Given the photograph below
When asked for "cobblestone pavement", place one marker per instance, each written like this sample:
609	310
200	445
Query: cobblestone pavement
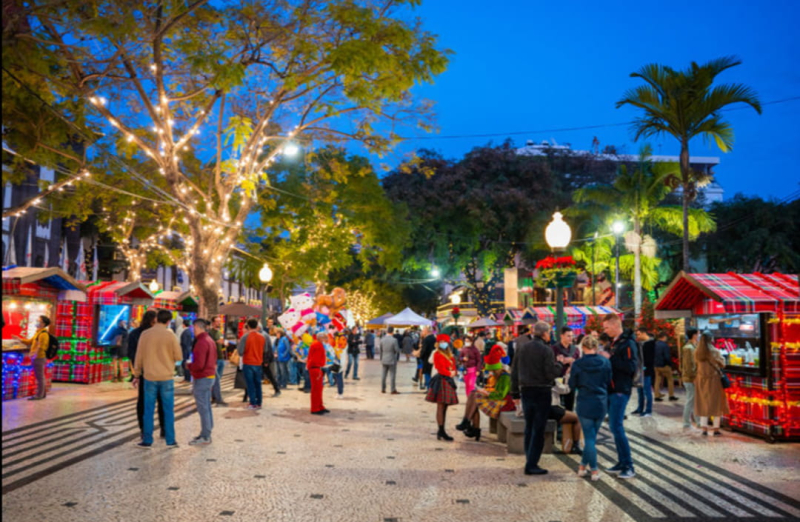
374	458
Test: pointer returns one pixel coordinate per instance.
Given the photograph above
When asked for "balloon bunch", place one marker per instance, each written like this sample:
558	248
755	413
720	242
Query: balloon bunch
307	315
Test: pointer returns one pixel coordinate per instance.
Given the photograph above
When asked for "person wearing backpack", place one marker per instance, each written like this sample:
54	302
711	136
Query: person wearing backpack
40	346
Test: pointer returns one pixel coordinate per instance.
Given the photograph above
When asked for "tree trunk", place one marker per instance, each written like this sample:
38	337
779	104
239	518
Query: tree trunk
686	183
637	271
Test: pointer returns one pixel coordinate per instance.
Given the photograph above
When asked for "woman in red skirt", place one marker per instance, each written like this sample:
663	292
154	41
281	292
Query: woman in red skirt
442	389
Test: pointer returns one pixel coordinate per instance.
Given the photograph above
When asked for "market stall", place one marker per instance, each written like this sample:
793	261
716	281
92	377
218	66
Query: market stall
86	329
755	321
28	293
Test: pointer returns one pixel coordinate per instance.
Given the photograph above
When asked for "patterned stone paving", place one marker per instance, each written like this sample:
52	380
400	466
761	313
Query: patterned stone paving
374	458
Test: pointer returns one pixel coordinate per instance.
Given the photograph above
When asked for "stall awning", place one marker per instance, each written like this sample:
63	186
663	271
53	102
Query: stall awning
512	316
174	300
50	282
577	315
118	292
706	294
378	321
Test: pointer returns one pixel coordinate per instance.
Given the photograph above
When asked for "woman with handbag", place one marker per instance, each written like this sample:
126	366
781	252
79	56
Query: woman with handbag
710	399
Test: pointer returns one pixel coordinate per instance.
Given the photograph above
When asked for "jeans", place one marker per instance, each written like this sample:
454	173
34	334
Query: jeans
165	390
39	365
536	407
298	370
202	399
326	372
339	379
616	414
140	408
688	408
392	370
370	351
252	377
216	392
307	379
352	360
645	394
590	428
272	379
283	374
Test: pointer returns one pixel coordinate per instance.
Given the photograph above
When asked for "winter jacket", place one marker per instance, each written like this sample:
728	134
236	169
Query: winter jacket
623	363
571	351
204	357
688	364
390	350
284	350
473	356
649	355
662	355
534	366
187	339
590	377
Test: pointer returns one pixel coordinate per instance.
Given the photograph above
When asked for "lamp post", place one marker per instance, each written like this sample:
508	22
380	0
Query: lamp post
558	234
594	258
265	275
455	299
618	228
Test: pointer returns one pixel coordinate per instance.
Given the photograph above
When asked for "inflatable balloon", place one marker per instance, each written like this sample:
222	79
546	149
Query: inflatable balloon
290	318
304	303
322	319
307	339
332	304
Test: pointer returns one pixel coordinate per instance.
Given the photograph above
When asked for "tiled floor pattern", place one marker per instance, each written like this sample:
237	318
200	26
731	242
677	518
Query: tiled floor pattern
374	458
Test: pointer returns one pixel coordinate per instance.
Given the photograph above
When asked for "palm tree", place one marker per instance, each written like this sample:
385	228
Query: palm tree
638	192
684	104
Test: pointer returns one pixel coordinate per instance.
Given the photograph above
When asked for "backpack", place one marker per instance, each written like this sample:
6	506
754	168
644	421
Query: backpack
52	348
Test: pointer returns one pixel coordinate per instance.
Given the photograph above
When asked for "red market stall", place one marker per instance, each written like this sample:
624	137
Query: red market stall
755	320
85	329
29	292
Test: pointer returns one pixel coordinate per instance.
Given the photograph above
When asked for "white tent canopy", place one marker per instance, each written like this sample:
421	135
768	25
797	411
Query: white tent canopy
408	318
379	321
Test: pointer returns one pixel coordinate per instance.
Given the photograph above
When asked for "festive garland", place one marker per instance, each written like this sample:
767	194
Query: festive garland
556	271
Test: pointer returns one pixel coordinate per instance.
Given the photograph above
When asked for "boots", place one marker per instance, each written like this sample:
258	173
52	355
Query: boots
473	432
442	435
464	425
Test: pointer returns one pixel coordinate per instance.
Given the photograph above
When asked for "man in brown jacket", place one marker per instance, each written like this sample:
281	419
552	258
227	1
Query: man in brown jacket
688	373
159	351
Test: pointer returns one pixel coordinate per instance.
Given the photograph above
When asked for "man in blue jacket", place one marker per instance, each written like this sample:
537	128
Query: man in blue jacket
623	369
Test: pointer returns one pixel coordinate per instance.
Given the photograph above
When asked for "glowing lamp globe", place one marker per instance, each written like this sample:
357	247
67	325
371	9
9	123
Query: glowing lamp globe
455	299
558	234
290	149
618	227
265	274
153	286
435	272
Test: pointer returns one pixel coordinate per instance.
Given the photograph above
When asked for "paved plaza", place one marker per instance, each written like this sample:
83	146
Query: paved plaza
375	458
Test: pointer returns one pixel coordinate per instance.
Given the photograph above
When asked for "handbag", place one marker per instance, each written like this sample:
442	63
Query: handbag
335	368
234	358
726	381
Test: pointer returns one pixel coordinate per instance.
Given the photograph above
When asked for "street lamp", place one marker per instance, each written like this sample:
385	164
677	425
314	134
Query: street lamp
618	227
594	258
558	234
265	275
435	272
153	286
290	149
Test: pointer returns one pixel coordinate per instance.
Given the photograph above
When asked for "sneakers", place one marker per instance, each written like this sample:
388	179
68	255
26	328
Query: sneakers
595	475
627	474
647	415
339	396
276	394
582	471
616	470
144	445
200	441
251	407
174	445
222	404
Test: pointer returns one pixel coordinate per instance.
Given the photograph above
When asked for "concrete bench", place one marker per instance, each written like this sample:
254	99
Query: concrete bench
511	430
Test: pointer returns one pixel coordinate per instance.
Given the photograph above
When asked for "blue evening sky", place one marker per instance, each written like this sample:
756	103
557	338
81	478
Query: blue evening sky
537	65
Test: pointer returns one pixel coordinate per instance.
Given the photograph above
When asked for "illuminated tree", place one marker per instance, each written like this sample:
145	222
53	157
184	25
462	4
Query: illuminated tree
210	94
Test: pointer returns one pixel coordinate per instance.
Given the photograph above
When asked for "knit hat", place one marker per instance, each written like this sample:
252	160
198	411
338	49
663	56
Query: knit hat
442	338
492	361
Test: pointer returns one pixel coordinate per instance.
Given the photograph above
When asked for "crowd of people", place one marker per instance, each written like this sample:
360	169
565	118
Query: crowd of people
578	383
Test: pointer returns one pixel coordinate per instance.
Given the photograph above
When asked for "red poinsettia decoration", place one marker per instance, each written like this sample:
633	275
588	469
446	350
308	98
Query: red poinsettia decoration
555	262
560	271
455	312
